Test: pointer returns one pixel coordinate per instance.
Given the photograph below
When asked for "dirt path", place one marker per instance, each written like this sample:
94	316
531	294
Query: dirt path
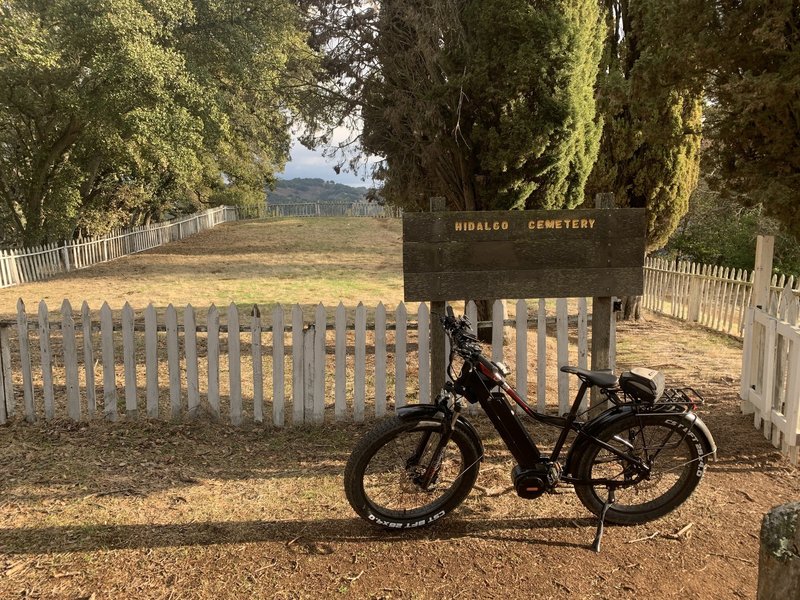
158	510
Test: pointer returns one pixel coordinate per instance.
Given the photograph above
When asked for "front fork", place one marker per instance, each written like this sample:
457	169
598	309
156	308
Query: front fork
451	407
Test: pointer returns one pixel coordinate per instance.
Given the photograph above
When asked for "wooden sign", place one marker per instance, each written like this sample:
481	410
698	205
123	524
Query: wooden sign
523	254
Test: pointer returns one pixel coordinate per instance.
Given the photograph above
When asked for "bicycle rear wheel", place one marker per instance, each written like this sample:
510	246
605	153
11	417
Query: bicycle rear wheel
674	453
384	478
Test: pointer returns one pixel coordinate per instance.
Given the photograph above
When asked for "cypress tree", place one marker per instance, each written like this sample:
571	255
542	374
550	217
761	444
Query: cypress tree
489	104
754	126
650	96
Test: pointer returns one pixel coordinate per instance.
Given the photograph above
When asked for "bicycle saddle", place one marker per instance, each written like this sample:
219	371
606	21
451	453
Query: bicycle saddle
602	379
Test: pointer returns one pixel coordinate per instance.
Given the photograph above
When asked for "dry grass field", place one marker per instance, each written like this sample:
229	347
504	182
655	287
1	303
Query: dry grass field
202	510
266	262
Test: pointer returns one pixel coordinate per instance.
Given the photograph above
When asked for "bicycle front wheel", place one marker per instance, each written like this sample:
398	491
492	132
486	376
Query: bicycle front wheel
396	477
674	454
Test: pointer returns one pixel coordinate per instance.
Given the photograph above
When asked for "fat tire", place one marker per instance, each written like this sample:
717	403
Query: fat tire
689	475
384	433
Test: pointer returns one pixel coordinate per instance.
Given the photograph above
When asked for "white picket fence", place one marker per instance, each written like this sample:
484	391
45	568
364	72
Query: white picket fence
770	387
324	367
712	296
24	265
333	209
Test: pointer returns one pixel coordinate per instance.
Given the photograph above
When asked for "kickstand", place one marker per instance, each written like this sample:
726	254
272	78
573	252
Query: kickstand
599	535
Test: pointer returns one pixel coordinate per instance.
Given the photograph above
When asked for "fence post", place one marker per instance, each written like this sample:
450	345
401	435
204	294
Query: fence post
602	318
778	560
6	394
695	289
65	254
762	274
438	204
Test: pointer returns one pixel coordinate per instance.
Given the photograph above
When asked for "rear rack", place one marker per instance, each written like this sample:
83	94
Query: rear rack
685	396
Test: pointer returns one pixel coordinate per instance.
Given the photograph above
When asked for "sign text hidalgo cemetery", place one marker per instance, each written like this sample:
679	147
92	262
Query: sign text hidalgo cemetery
523	254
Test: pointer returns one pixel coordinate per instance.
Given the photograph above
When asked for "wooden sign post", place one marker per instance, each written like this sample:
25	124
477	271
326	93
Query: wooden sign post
438	375
520	254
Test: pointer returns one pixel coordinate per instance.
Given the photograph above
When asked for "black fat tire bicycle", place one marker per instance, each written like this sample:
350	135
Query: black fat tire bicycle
634	462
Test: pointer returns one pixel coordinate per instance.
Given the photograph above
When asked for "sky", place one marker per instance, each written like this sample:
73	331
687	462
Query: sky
311	163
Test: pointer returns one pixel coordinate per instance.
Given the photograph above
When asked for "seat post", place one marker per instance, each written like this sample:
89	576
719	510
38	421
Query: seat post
569	419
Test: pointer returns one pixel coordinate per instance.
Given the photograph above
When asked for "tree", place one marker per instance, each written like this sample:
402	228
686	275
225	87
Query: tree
754	127
718	230
650	96
489	104
113	112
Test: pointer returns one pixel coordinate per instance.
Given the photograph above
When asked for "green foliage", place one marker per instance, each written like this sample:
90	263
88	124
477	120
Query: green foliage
116	111
718	230
650	98
755	125
489	104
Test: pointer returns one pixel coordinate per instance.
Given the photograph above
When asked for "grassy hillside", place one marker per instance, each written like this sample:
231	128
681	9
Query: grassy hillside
313	190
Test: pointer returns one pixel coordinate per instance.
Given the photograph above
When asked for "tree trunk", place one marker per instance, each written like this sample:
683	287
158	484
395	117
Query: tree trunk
485	314
631	308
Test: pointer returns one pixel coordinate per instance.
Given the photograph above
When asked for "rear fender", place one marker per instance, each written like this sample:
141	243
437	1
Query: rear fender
415	412
687	420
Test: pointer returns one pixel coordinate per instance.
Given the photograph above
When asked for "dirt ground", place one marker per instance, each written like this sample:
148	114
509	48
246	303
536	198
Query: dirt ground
161	510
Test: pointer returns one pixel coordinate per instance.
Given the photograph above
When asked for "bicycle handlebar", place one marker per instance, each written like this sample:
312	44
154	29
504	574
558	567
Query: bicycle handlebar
459	330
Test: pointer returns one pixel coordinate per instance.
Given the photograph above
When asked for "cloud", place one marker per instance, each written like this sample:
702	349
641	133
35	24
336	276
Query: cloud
311	163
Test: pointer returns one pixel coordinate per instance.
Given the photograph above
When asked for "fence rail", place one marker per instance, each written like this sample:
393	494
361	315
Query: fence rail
333	209
221	362
713	296
24	265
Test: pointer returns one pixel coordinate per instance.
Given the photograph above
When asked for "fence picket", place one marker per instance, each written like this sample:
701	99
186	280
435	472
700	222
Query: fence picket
541	356
497	330
9	404
129	357
173	362
583	333
46	362
109	374
423	352
234	365
278	385
380	358
401	321
521	355
213	361
308	373
192	370
321	324
359	382
258	367
88	359
151	360
340	400
562	337
70	362
25	362
297	365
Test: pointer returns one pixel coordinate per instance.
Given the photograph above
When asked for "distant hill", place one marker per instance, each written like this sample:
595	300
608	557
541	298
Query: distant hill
290	191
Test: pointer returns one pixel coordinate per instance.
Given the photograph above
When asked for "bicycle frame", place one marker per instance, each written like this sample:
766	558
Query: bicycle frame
481	377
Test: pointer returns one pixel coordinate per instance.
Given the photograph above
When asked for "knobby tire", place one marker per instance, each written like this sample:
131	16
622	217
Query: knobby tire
380	474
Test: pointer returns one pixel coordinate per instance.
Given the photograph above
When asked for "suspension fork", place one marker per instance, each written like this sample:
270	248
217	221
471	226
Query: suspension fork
435	463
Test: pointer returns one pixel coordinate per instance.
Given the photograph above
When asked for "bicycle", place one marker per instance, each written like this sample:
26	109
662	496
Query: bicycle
647	451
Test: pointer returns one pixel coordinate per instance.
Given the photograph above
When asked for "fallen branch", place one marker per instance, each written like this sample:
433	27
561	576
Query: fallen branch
642	539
